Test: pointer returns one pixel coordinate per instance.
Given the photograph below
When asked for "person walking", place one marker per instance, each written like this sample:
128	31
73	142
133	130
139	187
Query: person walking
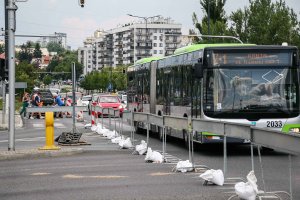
25	103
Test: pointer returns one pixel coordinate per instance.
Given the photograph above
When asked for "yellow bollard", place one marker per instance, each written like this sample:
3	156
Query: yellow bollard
49	123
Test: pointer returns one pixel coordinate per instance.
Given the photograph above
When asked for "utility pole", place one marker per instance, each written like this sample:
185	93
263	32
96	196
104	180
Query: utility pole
146	24
208	17
10	31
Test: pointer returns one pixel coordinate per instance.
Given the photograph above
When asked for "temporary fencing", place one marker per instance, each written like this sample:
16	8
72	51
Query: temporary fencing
68	103
258	136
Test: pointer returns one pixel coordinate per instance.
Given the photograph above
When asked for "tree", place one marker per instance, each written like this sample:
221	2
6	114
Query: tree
1	48
215	23
25	72
25	53
37	53
63	63
265	22
100	80
47	79
55	47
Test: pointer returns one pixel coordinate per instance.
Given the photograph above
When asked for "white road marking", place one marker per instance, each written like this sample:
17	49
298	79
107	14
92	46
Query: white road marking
26	139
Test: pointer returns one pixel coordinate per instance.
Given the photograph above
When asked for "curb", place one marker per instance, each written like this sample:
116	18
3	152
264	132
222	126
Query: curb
36	153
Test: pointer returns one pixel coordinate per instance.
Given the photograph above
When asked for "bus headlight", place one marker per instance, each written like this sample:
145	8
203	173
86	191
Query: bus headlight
295	130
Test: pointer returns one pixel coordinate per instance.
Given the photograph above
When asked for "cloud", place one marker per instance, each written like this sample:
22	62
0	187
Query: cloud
52	3
115	22
78	29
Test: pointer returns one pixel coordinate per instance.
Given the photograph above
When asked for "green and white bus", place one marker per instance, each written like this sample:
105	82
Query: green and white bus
243	83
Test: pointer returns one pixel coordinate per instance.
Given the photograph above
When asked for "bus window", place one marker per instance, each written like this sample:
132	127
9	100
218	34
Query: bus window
168	61
180	59
161	63
190	56
175	60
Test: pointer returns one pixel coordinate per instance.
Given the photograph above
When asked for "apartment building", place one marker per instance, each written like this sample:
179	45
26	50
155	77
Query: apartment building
125	45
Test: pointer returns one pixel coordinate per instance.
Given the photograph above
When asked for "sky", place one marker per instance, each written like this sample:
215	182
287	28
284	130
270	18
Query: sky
44	17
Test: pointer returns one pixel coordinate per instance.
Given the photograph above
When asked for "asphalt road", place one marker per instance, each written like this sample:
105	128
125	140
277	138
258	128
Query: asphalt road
104	171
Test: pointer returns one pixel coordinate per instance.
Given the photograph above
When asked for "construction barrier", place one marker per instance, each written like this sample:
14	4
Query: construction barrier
49	123
69	103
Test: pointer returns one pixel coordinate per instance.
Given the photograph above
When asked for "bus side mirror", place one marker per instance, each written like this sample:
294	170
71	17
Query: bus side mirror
198	70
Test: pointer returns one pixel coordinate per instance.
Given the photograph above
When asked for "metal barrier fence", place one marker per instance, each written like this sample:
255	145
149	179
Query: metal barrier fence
285	142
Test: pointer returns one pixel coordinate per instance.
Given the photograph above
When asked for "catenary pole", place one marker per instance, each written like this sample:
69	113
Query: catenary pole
11	9
73	95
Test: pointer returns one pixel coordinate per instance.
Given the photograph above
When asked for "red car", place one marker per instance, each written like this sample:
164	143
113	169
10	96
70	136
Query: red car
110	101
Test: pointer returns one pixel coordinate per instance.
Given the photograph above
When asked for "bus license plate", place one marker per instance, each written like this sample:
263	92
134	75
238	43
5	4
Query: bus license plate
274	124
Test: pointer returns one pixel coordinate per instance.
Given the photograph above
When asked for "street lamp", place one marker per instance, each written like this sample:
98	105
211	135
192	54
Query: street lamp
146	22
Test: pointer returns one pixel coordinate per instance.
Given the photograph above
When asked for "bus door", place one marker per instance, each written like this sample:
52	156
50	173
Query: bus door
140	91
167	84
196	98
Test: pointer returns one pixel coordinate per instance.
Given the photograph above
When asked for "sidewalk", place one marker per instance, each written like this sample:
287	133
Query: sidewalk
34	153
18	121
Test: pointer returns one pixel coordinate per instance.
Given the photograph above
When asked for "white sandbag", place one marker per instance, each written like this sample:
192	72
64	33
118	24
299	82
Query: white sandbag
94	128
153	156
251	178
89	125
126	144
249	189
106	132
184	166
245	191
100	129
112	134
141	148
116	140
148	155
157	157
214	176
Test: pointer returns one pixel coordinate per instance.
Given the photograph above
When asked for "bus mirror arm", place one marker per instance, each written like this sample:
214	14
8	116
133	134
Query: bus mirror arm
198	70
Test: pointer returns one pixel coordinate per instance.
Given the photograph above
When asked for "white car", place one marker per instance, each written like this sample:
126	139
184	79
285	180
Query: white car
86	100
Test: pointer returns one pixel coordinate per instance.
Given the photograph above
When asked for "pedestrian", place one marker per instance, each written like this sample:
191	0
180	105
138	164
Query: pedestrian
37	103
25	103
59	102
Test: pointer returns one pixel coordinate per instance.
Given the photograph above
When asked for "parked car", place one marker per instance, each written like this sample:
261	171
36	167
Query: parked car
86	100
93	101
54	90
70	96
110	101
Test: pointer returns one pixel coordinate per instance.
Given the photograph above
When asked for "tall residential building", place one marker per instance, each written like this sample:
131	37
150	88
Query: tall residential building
131	42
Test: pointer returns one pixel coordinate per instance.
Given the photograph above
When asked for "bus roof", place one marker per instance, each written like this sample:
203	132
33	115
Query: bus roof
146	60
195	47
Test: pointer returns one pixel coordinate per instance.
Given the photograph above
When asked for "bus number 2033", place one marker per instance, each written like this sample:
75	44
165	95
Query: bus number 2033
273	124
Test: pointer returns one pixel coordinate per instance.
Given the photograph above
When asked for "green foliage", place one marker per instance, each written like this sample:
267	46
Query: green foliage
25	73
63	63
55	47
101	80
47	79
2	48
262	22
217	24
37	53
265	22
25	55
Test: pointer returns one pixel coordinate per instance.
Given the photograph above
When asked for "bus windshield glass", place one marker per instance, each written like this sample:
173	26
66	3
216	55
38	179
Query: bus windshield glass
244	92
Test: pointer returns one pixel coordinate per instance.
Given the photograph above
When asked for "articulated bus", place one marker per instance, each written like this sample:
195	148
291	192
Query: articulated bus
243	83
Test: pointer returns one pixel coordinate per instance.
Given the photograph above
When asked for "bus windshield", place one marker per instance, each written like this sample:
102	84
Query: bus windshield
244	92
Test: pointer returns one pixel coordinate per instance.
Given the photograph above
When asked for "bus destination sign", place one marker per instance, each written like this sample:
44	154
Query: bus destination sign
251	59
